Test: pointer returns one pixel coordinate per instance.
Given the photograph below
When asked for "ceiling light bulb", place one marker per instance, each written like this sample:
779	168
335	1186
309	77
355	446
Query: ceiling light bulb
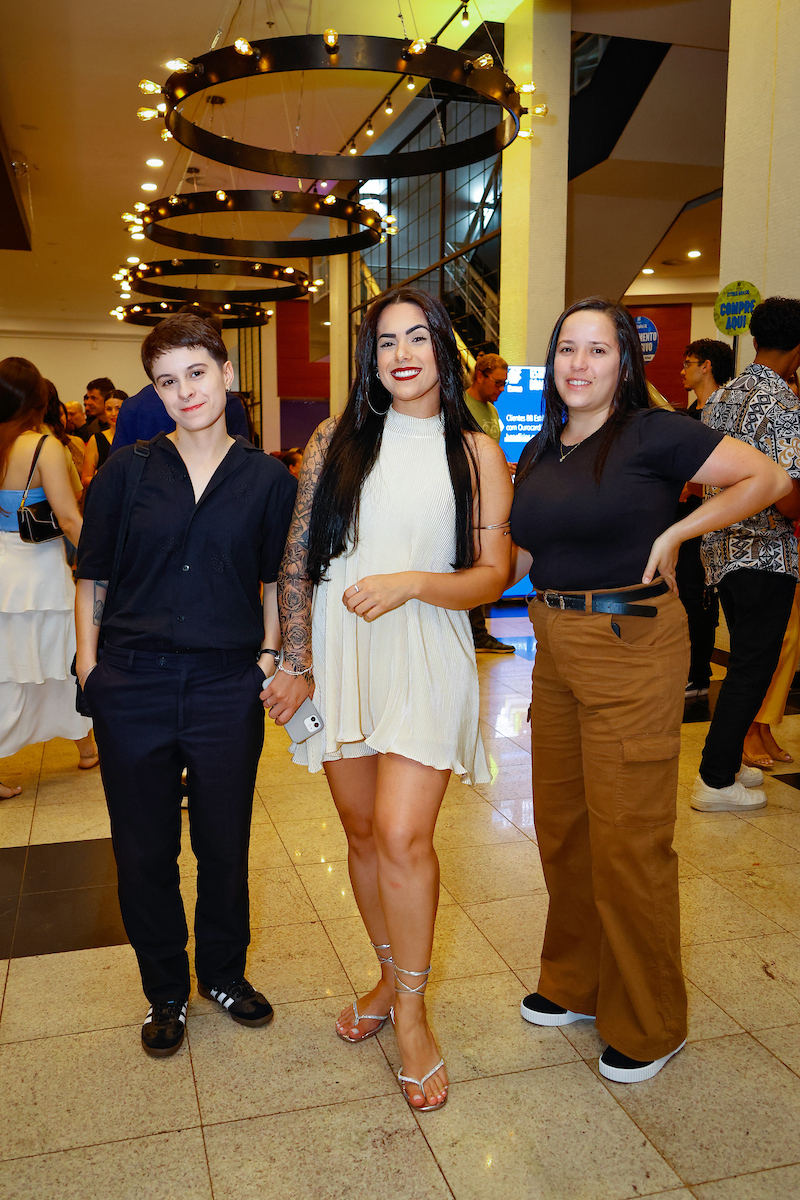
387	108
392	229
288	270
242	46
165	135
137	308
137	228
540	110
483	62
270	312
319	283
134	260
311	288
525	89
149	87
648	271
118	276
227	307
256	266
147	114
331	39
353	149
389	219
154	162
326	322
129	217
139	207
277	196
173	200
124	295
526	134
418	47
179	64
465	16
411	85
120	316
163	305
331	199
161	108
137	237
693	254
222	195
370	132
383	238
149	187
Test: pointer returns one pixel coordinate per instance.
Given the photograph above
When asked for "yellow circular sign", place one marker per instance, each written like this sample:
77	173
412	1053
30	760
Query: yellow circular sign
734	307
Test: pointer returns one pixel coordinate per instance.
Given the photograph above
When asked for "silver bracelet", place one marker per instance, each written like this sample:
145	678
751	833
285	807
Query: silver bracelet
294	674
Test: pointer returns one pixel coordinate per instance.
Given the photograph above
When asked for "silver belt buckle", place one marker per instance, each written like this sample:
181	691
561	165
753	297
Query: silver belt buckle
559	599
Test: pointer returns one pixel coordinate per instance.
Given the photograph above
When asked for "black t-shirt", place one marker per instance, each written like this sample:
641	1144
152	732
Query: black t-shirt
584	535
189	574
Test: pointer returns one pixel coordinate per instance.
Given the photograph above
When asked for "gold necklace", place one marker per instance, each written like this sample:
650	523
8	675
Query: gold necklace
561	454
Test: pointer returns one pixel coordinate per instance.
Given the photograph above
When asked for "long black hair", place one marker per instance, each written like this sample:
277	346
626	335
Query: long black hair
630	393
356	442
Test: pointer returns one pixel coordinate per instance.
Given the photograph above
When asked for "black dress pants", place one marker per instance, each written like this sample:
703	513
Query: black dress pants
155	714
757	605
702	610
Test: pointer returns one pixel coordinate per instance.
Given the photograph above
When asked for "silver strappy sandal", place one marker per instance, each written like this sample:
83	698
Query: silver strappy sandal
368	1016
402	1079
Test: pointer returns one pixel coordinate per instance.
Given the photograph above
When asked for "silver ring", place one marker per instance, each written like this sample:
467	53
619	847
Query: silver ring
355	587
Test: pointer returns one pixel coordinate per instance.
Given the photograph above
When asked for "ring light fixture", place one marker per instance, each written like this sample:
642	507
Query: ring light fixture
301	203
146	278
234	316
331	51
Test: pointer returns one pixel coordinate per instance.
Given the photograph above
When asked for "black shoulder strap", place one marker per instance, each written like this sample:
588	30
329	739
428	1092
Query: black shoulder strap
141	453
36	454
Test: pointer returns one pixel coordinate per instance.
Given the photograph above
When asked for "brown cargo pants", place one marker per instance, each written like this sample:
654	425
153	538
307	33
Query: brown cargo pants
606	717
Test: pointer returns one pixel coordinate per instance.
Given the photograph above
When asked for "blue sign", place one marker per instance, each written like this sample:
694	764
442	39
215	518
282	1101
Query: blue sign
648	336
521	409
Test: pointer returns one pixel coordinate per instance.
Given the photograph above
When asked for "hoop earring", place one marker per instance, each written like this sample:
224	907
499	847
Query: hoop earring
377	412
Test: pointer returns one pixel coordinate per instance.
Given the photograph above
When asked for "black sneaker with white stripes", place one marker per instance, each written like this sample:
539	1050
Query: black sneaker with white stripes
164	1027
240	1000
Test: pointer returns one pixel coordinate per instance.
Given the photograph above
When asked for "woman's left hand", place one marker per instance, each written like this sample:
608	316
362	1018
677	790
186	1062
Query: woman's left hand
375	595
663	558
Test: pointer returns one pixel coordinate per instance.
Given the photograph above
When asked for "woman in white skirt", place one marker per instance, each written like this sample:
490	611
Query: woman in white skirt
37	595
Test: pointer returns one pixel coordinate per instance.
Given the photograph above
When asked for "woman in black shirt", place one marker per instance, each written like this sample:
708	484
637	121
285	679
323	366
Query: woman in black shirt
593	512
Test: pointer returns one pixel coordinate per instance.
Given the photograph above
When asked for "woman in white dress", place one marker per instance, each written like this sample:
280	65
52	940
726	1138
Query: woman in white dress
37	595
400	528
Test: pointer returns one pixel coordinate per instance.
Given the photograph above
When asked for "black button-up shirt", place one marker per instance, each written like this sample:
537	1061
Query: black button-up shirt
189	574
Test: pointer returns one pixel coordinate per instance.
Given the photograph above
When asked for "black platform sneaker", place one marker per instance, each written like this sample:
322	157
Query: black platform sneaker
164	1027
240	1000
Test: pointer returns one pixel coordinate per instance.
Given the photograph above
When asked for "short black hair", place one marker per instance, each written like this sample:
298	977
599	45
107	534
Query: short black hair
104	386
775	323
719	354
182	330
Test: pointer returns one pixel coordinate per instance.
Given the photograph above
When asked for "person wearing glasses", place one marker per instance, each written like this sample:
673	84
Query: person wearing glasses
707	365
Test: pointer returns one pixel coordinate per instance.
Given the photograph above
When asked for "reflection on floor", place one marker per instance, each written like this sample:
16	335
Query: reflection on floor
291	1111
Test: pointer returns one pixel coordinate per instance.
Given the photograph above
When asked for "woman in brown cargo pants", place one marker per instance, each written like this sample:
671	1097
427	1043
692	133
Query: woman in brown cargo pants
593	511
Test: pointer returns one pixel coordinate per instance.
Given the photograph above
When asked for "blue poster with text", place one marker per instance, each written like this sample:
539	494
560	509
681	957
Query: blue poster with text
520	409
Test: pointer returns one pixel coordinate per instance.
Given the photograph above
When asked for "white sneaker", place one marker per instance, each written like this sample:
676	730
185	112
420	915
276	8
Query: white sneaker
734	798
750	776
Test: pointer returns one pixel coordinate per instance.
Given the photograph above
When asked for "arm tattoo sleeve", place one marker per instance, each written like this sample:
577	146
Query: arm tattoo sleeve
100	591
295	590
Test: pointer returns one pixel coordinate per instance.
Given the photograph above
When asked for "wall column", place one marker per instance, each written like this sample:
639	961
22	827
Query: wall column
760	212
534	241
270	400
339	301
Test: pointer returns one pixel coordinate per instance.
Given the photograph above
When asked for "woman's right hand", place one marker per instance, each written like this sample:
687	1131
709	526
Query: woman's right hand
283	694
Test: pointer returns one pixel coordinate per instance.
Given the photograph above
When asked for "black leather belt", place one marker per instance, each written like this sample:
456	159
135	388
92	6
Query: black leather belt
607	602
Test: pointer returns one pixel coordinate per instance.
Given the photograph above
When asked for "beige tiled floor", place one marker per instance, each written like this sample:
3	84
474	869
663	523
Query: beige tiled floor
291	1111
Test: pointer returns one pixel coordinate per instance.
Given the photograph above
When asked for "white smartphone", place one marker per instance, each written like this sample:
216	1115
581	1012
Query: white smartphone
305	722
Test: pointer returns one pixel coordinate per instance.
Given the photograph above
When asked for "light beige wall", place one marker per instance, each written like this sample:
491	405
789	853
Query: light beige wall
534	243
70	362
760	212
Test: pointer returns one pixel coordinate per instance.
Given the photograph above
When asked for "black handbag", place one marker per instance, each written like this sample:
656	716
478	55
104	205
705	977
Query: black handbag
141	453
37	522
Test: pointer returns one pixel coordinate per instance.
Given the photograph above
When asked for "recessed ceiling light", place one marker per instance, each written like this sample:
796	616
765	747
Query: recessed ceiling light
124	295
149	187
137	237
133	259
326	322
648	271
155	162
693	254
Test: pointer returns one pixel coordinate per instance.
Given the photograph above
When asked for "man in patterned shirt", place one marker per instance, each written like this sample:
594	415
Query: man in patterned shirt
753	564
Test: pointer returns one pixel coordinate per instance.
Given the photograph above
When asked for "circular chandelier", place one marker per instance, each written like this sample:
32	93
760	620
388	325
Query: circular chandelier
146	279
452	71
301	203
233	316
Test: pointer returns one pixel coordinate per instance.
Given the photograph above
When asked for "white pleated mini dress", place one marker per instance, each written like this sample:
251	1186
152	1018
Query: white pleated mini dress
37	637
406	683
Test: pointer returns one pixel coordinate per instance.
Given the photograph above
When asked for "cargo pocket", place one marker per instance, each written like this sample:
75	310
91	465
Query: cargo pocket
647	779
